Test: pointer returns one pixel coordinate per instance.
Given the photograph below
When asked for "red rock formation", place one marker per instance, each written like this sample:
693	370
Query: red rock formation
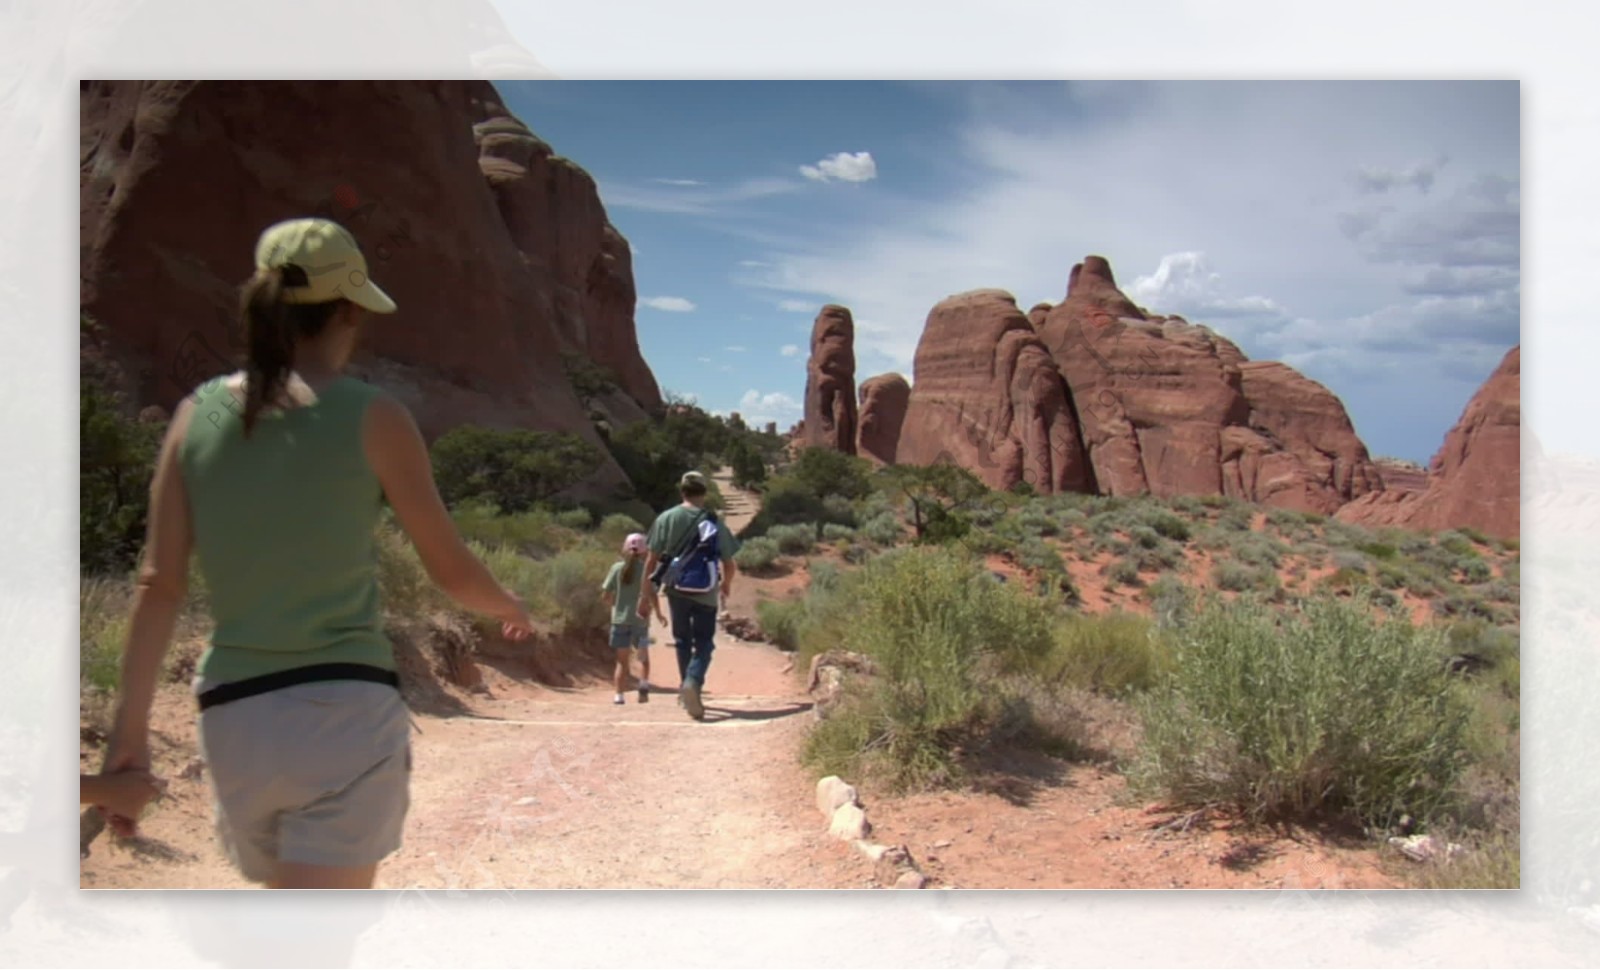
989	398
830	420
1038	314
498	254
1475	478
1171	408
1401	476
883	413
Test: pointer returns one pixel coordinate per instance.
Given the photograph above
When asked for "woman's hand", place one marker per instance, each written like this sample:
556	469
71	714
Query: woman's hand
128	750
515	623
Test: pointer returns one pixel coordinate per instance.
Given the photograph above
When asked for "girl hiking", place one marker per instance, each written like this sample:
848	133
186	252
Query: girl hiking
275	476
629	630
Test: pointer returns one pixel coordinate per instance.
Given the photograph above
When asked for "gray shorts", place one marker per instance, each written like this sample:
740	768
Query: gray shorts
316	773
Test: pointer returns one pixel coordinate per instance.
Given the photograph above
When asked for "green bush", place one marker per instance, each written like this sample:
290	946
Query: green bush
1327	710
575	518
1162	557
575	576
757	555
1391	576
1144	537
1476	571
1349	559
403	584
104	609
1109	653
1171	602
616	527
1123	572
884	529
1169	526
1040	555
794	540
1456	543
823	471
939	630
824	576
780	621
1236	577
838	510
513	469
1379	550
1037	522
834	532
116	461
532	533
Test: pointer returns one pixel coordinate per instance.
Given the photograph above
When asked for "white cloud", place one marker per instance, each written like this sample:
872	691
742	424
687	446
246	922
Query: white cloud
1378	179
758	408
703	360
789	350
753	263
1186	285
843	167
686	182
670	304
736	348
796	306
703	199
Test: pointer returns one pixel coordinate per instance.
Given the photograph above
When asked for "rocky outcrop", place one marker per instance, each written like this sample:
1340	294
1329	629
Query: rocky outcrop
498	253
1474	479
830	404
1401	476
989	397
883	413
1171	408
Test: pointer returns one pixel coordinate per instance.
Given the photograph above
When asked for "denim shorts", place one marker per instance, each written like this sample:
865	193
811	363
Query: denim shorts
625	636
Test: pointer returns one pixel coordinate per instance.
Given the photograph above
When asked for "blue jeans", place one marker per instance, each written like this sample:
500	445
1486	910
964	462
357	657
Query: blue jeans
693	625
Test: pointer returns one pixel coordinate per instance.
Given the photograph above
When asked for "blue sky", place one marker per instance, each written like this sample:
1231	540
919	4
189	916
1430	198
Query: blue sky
1367	233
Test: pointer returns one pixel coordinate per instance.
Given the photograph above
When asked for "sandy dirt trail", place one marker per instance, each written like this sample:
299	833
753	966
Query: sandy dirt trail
542	787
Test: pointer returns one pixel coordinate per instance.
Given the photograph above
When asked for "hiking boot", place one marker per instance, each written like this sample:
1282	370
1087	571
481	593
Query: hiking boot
617	699
644	693
691	701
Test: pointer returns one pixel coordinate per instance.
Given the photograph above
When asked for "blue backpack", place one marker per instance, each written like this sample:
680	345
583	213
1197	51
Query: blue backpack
698	568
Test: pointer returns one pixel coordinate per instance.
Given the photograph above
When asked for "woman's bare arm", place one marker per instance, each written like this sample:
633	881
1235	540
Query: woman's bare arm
399	457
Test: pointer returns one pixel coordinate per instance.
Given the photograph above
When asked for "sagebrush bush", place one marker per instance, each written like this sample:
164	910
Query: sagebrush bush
1298	714
1351	560
1162	557
1144	537
403	584
534	532
575	576
834	532
794	540
1038	522
780	621
104	608
1235	577
579	518
616	527
1476	571
757	555
1171	602
1040	555
1109	653
884	529
939	630
1123	572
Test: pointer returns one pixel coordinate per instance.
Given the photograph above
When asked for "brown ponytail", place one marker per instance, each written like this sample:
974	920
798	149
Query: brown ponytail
272	326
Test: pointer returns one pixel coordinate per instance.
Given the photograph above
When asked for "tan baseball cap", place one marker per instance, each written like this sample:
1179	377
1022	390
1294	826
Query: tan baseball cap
331	259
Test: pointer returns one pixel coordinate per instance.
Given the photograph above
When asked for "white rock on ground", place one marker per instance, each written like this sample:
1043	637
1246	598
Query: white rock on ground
833	792
849	823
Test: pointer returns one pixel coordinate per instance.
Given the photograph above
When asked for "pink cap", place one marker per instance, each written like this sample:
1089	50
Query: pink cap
634	543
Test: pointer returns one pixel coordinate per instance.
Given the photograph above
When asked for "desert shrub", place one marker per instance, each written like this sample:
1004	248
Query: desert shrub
104	609
794	540
1037	522
823	471
1345	580
757	555
532	533
824	576
116	460
987	542
1237	518
940	632
1349	559
1109	653
1344	713
1257	549
1235	576
1455	543
512	470
403	584
616	527
780	621
838	510
576	519
785	502
1040	555
1189	505
1171	602
1476	571
1169	526
1465	605
1123	572
1390	575
1500	591
1164	556
1379	550
834	532
1144	537
574	578
884	529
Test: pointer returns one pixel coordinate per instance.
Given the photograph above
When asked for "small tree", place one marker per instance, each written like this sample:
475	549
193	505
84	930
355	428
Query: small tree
938	495
512	469
824	471
116	459
748	468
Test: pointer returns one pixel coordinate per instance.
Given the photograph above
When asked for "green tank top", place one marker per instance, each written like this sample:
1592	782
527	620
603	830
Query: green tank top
283	528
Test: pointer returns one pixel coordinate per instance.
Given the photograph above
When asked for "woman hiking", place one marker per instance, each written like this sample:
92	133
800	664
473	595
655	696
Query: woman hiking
275	476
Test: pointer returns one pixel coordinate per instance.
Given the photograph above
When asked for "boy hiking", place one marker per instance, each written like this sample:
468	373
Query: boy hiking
691	557
630	629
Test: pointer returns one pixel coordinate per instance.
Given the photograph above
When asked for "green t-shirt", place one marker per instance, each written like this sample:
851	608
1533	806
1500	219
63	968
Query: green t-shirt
284	529
624	612
668	534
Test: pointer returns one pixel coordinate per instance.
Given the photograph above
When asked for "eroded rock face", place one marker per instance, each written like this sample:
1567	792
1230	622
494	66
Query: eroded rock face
1475	478
830	420
988	397
883	413
1171	408
498	254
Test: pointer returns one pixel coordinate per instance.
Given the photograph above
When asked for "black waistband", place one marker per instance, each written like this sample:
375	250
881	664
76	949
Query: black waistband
251	686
